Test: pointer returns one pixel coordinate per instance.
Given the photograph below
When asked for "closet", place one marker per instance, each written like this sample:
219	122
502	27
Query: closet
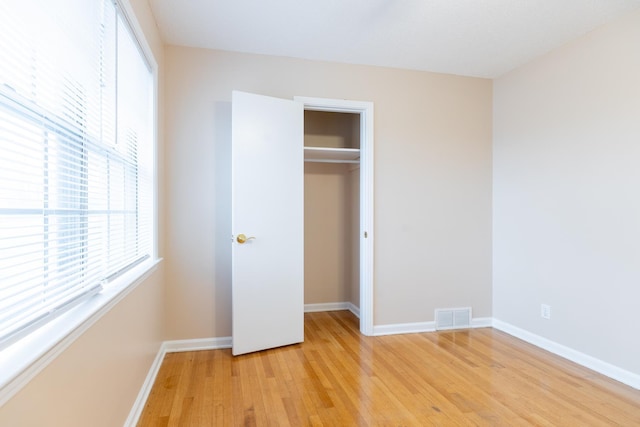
268	215
332	209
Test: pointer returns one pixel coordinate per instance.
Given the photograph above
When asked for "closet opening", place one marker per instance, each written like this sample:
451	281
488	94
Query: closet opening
339	181
332	211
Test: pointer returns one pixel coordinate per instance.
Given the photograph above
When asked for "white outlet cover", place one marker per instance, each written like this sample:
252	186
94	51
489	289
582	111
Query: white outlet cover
545	311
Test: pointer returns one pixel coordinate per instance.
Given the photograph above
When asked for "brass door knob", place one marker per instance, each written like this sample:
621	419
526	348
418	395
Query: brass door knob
241	238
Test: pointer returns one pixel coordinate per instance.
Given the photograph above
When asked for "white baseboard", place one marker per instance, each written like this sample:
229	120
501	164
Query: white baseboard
332	306
403	328
413	328
143	394
169	347
328	306
355	310
482	322
197	344
597	365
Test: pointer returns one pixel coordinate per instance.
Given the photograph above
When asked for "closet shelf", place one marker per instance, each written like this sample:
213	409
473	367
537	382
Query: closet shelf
331	155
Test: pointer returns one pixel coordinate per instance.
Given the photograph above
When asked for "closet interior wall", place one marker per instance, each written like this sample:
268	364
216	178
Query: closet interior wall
332	214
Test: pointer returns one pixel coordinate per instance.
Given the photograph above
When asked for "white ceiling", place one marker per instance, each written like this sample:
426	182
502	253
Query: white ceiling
483	38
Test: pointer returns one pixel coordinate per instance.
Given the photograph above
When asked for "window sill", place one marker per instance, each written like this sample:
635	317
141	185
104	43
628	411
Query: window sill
23	360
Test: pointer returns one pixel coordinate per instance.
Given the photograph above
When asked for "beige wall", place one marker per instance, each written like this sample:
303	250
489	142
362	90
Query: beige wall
334	130
566	200
96	380
331	259
432	182
328	235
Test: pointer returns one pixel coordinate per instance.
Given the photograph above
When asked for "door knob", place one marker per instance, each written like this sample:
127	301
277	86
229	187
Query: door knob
241	238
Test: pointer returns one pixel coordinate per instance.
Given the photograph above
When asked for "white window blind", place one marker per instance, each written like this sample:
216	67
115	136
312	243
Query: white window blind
76	157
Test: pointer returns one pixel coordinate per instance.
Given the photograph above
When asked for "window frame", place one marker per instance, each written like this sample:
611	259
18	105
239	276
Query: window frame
25	359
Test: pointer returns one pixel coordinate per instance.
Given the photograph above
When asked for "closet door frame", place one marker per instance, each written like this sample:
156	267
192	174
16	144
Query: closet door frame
365	110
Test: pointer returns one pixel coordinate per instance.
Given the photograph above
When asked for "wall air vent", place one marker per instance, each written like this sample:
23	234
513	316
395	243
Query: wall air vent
453	318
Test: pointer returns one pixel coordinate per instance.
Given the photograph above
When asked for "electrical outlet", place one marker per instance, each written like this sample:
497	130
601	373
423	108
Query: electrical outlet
545	311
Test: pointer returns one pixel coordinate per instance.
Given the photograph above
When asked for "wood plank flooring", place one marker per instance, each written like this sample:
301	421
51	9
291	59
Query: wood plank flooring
339	378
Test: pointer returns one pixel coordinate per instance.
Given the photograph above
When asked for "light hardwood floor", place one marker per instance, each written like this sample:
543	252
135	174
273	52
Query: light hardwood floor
339	378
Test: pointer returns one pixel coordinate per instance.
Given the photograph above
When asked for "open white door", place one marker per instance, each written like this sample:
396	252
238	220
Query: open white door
267	175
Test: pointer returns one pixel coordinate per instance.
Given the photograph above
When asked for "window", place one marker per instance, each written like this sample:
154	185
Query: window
76	157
